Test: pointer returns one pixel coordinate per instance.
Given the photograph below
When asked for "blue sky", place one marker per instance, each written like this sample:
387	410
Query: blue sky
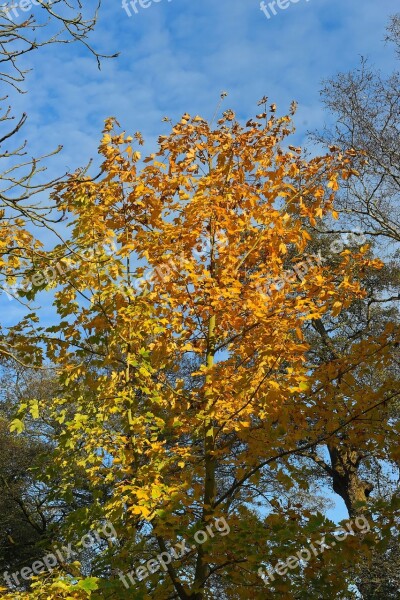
178	55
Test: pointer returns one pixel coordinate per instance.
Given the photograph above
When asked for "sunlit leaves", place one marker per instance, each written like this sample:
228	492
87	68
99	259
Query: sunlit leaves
182	355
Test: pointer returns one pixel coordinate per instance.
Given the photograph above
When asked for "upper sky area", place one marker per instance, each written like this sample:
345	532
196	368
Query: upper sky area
178	55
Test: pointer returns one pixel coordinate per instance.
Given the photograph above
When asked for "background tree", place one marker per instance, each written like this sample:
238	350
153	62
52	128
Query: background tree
366	109
24	212
24	191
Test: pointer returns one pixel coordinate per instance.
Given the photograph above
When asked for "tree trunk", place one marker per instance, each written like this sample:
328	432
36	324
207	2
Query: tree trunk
345	464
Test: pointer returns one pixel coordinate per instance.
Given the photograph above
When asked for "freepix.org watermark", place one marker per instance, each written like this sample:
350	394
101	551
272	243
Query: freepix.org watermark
135	5
305	554
13	10
50	274
270	9
161	561
60	555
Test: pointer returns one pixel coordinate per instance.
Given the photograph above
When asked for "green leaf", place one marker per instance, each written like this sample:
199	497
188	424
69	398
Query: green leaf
35	409
17	425
88	585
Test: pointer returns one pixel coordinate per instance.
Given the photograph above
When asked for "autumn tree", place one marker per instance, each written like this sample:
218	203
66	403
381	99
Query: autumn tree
203	231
